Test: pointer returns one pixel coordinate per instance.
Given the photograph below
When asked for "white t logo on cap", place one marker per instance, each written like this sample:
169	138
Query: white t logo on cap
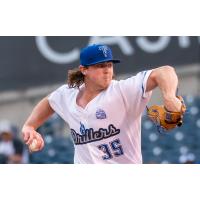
104	49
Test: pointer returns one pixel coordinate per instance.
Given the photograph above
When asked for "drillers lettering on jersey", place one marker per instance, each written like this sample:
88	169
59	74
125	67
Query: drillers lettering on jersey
92	136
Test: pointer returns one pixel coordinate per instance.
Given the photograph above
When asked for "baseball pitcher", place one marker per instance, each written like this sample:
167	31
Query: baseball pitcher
104	114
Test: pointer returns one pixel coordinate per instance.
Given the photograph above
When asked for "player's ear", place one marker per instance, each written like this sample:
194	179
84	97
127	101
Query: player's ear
83	69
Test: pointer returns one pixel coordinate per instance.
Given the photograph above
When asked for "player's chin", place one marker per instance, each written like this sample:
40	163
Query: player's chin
105	84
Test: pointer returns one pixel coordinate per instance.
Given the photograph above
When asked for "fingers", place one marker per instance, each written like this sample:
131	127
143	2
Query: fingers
29	135
183	106
40	141
42	144
25	136
173	105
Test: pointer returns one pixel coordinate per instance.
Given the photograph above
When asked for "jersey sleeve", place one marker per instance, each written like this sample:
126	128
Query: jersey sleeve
57	99
134	92
145	76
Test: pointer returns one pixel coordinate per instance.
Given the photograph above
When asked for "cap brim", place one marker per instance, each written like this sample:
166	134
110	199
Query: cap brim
102	61
116	61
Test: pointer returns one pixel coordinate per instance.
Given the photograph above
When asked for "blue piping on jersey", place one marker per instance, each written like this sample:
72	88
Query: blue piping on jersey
145	72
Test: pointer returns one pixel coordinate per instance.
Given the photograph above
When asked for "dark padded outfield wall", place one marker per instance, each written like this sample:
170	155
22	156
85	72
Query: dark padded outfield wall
36	61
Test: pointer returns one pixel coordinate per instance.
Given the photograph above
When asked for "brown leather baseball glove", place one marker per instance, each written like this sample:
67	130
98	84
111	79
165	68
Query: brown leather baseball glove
165	119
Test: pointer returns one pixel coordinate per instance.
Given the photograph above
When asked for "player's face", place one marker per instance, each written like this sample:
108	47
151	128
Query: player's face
100	75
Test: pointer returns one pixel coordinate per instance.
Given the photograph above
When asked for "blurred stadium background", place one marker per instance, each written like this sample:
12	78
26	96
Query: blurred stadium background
32	67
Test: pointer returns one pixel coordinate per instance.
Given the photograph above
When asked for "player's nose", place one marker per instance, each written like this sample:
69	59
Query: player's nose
106	71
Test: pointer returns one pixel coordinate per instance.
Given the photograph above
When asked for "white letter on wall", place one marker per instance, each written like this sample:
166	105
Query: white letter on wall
52	55
184	41
152	46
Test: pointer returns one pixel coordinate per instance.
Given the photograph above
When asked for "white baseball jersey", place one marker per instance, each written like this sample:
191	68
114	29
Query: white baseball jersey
108	129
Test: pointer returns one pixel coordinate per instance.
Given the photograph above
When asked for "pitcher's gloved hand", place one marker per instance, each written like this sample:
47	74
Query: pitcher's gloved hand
165	119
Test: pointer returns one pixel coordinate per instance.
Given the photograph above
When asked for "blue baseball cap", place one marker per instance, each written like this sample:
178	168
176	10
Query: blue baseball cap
96	53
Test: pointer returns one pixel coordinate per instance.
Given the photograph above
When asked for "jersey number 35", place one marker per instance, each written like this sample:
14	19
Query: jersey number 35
114	149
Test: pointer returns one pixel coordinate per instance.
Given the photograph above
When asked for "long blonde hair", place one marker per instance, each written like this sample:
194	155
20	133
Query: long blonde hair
75	78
